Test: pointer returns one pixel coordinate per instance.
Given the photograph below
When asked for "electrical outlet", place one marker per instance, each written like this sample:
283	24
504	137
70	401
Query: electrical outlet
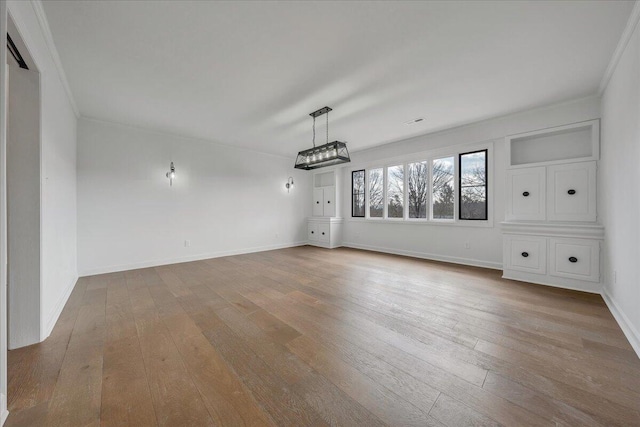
187	243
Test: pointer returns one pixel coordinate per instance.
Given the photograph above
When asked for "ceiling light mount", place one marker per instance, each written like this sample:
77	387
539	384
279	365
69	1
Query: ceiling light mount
329	154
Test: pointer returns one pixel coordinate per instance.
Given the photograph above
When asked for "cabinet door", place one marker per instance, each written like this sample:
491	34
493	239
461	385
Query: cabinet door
572	192
526	194
318	202
526	253
312	233
329	196
575	259
324	232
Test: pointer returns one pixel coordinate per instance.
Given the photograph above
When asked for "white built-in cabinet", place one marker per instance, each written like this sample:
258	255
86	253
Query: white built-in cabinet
324	201
551	234
325	226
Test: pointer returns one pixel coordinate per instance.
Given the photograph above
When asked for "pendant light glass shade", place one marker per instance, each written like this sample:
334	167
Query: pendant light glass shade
329	154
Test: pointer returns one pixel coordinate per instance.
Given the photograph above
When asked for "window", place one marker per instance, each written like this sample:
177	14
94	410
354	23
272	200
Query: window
376	193
395	191
448	187
443	193
473	185
418	189
357	194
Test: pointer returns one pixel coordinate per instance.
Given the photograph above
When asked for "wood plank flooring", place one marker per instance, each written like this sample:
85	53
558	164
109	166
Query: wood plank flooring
313	337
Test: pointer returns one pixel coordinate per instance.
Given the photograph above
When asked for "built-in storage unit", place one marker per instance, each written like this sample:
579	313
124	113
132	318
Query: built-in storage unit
550	233
325	227
325	232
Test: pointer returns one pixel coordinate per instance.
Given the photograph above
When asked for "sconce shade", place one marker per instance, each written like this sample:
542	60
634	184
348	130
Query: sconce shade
329	154
289	184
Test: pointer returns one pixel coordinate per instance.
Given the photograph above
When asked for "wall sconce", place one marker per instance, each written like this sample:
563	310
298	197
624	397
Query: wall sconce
289	184
171	174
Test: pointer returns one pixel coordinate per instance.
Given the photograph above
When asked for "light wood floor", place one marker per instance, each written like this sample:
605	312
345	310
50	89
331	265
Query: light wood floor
311	337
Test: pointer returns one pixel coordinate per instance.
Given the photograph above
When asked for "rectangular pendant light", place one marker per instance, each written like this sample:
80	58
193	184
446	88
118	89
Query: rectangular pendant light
329	154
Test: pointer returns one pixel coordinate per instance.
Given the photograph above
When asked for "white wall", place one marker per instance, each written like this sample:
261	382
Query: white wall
619	189
58	157
447	242
224	200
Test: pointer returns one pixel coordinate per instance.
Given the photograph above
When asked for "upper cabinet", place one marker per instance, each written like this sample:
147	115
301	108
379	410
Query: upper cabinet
572	192
324	194
551	174
570	143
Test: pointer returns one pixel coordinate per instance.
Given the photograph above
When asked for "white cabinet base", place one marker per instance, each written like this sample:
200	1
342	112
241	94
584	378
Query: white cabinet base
325	232
561	255
549	280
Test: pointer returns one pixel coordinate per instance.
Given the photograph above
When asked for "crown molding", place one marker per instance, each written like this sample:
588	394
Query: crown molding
48	37
632	23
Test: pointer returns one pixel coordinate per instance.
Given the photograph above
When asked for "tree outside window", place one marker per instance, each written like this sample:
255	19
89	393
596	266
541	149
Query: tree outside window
357	193
395	191
376	193
418	189
473	185
443	193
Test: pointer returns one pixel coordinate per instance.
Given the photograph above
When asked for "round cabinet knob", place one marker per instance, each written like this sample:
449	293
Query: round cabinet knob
525	194
317	202
323	233
571	192
525	254
328	201
312	232
573	259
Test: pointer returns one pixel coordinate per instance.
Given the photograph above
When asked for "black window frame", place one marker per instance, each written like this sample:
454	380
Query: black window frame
486	185
364	193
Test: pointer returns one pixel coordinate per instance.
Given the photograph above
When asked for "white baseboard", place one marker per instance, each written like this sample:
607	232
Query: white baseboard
423	255
4	413
556	282
57	310
156	263
627	327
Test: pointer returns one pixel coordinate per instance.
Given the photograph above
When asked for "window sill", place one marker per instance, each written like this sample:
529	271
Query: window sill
436	222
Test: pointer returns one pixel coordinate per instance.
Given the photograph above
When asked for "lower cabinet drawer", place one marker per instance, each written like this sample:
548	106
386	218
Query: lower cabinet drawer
575	259
312	232
324	232
526	253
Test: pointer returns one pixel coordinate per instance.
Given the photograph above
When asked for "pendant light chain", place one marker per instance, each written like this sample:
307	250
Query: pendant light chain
314	131
327	127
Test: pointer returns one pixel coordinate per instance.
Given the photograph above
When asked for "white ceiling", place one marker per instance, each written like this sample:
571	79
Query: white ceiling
248	73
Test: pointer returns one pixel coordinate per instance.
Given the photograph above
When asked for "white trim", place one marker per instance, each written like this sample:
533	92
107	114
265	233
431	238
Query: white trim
422	221
585	231
155	263
424	255
625	324
57	310
4	413
48	37
620	48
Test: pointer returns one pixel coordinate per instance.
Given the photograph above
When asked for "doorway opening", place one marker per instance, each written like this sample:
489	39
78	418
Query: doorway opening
23	174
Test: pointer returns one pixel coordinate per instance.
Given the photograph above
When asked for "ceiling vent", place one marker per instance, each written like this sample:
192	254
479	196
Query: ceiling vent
414	121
